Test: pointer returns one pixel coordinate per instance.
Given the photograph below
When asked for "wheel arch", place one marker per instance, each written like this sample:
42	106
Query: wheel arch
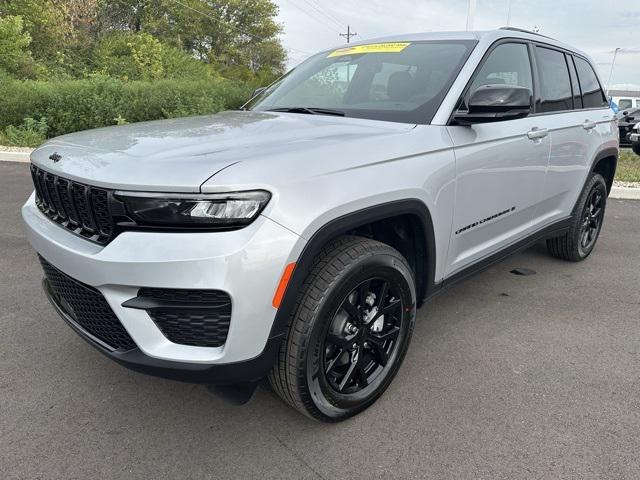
605	163
413	210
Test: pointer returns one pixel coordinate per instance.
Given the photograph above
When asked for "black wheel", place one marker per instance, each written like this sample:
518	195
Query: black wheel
349	332
588	216
636	148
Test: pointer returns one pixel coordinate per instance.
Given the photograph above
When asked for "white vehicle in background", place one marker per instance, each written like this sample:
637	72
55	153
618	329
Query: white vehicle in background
626	97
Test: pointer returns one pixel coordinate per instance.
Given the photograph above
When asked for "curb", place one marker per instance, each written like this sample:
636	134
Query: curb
625	193
22	157
620	193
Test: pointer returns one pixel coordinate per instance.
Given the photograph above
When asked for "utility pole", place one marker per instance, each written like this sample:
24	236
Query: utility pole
615	54
509	14
348	35
471	14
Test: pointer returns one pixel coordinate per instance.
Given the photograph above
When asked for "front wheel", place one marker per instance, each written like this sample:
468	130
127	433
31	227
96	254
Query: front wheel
636	148
350	330
588	216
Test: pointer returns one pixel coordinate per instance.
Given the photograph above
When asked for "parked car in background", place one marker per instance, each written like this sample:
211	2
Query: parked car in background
634	138
627	119
295	238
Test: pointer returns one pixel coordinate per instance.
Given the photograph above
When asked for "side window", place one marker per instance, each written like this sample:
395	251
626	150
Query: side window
625	103
507	64
592	94
555	83
575	85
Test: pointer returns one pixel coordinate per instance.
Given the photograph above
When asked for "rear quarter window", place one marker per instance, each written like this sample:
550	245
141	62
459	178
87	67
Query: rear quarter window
592	94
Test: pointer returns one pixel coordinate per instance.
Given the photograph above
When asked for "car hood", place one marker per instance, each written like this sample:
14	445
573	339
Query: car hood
179	155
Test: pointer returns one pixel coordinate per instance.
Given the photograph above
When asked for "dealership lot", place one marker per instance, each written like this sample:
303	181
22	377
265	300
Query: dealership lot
507	377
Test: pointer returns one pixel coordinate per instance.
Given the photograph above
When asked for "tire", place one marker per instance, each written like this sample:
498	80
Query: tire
334	363
586	223
636	148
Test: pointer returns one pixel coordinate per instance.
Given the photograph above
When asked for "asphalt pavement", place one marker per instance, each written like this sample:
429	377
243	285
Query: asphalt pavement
507	377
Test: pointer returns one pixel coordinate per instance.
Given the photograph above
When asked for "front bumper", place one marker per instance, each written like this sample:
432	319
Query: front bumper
634	137
248	371
247	264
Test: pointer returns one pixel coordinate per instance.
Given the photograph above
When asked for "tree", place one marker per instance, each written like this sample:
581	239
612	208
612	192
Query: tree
45	23
232	35
70	38
15	57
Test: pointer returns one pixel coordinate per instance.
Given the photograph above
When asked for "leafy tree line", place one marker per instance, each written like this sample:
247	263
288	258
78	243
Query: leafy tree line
68	65
140	39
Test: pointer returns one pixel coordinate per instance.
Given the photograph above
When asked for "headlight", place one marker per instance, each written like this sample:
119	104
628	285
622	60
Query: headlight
637	126
220	210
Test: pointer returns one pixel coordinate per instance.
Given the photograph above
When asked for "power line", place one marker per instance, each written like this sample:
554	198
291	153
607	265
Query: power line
317	8
306	12
327	12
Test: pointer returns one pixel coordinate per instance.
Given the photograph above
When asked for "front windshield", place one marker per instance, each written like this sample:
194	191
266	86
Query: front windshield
399	82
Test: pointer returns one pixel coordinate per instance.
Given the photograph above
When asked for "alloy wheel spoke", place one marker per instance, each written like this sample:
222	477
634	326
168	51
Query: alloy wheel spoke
391	307
333	362
347	377
383	295
379	353
379	339
361	375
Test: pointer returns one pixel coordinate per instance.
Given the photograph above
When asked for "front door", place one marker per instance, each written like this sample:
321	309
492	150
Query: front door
500	168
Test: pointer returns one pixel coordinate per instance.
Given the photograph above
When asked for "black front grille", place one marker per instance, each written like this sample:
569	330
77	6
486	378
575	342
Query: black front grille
80	208
87	307
198	318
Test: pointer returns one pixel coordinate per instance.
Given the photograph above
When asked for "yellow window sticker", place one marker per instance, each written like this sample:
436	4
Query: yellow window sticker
371	48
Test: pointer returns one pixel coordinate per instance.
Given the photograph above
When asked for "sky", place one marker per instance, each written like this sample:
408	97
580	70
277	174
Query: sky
595	27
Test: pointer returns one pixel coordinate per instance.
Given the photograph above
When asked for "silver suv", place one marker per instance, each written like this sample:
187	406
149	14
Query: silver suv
295	239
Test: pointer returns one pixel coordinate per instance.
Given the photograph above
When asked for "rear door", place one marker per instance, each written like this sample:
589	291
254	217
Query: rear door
571	104
500	167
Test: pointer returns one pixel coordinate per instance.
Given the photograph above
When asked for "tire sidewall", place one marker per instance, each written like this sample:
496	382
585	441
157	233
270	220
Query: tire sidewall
329	404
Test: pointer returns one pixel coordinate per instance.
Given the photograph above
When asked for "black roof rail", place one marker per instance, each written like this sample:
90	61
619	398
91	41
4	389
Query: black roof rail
522	30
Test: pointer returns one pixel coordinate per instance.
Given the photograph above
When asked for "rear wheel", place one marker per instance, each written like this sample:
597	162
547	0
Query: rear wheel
578	243
349	332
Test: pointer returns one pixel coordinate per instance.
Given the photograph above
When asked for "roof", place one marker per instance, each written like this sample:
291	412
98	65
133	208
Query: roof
488	36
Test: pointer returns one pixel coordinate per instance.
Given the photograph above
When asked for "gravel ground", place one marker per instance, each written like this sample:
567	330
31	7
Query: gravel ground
15	149
626	184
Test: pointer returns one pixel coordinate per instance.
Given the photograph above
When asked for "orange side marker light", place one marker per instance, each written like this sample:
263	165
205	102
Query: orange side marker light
282	286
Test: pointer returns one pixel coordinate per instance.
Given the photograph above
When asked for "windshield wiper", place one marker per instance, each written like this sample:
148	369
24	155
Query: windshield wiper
308	110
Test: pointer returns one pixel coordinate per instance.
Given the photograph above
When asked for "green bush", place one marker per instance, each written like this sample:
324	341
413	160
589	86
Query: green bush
30	133
99	101
140	56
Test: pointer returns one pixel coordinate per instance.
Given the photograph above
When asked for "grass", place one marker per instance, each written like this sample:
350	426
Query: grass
628	166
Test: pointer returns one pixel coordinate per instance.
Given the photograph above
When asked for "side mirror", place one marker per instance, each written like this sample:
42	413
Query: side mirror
496	103
258	91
